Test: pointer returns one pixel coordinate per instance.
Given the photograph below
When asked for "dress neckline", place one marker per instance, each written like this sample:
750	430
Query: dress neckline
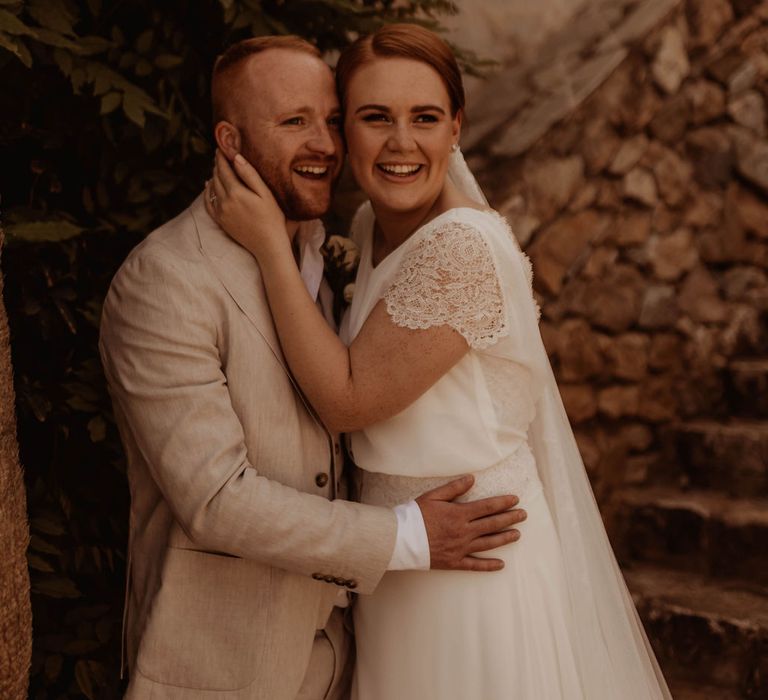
418	231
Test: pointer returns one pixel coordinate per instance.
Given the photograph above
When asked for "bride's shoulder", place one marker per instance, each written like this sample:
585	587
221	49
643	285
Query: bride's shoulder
483	220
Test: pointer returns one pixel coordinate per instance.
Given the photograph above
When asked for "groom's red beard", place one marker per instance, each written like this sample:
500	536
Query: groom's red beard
298	203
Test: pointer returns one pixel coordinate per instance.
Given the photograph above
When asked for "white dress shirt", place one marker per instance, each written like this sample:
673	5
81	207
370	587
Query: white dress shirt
411	545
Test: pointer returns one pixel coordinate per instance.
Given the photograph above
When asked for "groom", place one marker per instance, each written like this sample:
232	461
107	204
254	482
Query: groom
241	550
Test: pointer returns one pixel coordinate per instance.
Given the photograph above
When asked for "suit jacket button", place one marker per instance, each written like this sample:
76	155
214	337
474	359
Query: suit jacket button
340	582
329	579
317	577
352	584
321	479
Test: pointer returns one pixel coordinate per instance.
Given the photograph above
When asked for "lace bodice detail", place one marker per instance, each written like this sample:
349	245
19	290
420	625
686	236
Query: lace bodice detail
449	277
515	474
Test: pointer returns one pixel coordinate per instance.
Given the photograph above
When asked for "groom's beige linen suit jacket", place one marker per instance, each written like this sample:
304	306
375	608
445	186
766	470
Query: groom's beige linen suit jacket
238	549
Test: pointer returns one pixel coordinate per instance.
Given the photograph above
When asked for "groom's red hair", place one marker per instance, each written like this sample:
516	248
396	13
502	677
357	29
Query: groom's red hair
403	41
228	64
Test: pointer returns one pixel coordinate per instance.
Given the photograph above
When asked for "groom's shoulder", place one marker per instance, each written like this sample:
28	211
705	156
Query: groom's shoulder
175	240
173	246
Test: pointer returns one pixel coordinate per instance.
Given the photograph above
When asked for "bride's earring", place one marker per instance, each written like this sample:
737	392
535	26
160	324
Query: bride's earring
454	148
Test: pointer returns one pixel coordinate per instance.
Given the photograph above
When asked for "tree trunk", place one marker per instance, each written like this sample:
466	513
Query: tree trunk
15	608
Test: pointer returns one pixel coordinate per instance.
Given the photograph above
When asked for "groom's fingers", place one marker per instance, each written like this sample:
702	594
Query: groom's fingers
497	523
484	544
480	564
484	507
451	490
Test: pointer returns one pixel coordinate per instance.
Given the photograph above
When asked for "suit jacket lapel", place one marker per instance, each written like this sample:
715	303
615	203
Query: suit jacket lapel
239	273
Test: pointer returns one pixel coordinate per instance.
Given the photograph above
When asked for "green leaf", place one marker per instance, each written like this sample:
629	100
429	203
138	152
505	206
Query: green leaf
38	563
144	41
16	47
38	544
53	14
199	145
52	667
102	80
97	429
36	231
91	677
143	67
90	45
47	525
78	647
11	24
56	587
52	38
64	61
80	404
109	103
168	60
133	110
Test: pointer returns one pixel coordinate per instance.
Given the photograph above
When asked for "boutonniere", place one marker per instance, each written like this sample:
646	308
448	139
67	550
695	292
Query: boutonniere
341	256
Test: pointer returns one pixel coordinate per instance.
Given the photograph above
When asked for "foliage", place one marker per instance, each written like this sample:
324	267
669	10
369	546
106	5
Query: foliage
104	135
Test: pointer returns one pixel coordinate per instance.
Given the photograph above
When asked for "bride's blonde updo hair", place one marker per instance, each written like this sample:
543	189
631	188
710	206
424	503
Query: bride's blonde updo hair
402	41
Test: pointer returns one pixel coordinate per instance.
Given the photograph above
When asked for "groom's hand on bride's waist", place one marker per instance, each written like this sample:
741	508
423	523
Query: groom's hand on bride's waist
458	531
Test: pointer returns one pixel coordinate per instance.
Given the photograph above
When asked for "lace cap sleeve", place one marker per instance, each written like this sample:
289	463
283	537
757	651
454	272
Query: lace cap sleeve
449	277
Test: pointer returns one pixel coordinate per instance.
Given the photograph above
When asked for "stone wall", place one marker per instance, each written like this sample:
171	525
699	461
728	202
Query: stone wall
643	204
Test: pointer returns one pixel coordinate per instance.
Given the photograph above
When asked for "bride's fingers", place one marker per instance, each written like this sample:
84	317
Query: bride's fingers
223	172
207	192
216	193
210	198
249	175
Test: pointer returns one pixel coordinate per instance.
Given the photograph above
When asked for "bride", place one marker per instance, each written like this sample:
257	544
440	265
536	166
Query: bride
440	371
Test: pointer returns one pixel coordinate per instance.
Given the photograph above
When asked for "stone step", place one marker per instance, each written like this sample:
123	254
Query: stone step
683	690
703	531
729	456
704	632
747	387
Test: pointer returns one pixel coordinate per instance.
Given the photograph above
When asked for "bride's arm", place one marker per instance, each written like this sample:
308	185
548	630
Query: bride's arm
386	368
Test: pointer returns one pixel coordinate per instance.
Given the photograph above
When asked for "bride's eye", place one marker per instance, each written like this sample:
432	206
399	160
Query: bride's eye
375	117
426	119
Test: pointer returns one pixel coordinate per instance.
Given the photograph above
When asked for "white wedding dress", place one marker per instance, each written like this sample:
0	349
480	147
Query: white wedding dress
556	622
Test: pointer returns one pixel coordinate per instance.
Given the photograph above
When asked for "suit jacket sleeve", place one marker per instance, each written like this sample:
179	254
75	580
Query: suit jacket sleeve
161	357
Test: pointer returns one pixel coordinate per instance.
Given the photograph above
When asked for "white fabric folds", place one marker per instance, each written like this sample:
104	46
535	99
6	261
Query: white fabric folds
600	602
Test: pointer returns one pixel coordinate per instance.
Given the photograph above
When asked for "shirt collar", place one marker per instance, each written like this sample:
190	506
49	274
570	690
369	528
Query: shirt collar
310	237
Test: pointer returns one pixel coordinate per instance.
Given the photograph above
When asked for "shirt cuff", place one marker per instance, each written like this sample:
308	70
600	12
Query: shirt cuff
412	544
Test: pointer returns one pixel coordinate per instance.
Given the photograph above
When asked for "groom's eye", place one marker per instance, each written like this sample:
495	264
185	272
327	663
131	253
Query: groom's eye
335	122
294	121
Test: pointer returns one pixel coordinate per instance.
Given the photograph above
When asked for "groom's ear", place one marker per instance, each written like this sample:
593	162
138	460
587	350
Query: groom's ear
227	137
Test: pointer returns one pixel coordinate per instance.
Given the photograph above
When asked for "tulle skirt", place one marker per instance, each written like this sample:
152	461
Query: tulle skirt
455	635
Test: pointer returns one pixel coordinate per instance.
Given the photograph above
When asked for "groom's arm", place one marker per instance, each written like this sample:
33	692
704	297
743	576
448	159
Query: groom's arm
161	357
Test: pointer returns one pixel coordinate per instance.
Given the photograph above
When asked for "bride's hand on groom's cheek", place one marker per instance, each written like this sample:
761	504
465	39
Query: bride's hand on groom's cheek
240	202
